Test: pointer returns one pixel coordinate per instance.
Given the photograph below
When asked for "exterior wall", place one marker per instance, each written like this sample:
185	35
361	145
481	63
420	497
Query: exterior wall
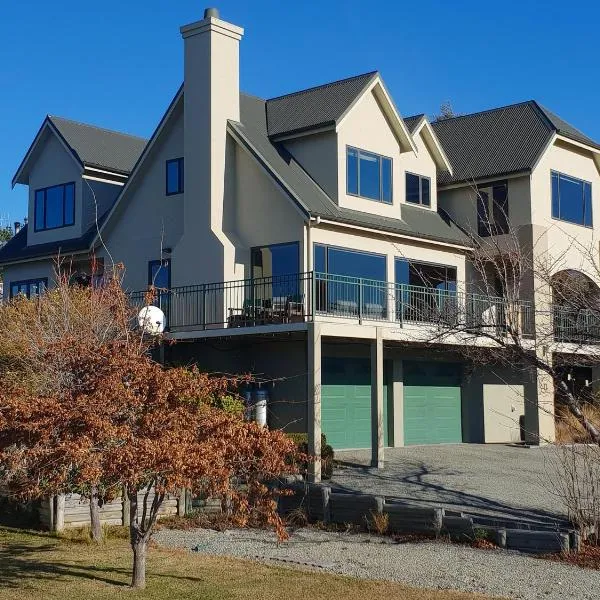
461	203
367	128
260	213
53	166
569	160
28	270
148	220
98	197
318	155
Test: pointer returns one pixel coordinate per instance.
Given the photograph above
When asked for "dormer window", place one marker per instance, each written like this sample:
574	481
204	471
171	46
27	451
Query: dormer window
369	175
54	207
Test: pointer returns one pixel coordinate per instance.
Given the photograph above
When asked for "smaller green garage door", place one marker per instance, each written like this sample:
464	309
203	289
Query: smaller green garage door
346	402
432	403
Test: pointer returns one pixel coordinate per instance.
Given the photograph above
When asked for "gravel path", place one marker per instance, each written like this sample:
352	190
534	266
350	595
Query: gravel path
428	564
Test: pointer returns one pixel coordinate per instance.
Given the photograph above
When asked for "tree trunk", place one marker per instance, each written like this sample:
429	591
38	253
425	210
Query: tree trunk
139	547
95	516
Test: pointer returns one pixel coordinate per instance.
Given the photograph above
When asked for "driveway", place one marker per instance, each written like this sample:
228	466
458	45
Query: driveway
486	481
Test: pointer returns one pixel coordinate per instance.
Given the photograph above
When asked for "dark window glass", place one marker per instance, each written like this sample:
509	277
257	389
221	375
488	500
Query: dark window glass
418	189
29	288
412	189
386	179
174	176
369	175
440	277
54	207
40	214
352	170
492	209
356	264
279	259
159	274
571	199
320	264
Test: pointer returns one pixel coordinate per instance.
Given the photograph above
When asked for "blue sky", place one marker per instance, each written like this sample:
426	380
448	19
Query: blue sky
118	63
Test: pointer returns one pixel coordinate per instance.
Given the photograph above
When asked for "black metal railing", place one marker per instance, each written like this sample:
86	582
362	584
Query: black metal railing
576	326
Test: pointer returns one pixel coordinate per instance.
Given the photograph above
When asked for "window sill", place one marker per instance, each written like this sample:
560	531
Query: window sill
174	193
386	202
572	223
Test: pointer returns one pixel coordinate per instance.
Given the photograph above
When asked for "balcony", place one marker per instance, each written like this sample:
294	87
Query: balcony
318	296
581	327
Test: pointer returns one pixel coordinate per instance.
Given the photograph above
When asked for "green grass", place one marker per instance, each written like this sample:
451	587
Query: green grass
40	566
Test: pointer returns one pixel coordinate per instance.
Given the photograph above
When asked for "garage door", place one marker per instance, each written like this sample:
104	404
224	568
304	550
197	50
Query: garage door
432	406
346	402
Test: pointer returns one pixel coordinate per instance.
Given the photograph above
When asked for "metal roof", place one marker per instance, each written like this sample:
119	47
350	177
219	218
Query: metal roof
316	107
98	147
412	122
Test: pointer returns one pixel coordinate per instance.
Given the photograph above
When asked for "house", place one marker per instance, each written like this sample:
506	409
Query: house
296	237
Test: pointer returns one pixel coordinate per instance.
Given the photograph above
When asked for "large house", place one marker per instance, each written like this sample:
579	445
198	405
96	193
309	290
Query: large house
296	238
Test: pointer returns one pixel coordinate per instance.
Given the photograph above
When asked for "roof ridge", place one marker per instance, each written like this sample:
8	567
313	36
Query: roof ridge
131	135
252	96
323	85
487	110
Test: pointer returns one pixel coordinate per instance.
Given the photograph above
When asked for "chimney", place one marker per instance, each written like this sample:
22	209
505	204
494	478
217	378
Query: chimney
17	227
211	98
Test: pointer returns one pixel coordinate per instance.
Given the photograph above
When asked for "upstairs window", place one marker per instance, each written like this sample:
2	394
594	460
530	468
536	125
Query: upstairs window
571	199
492	209
54	207
418	189
30	288
174	176
369	175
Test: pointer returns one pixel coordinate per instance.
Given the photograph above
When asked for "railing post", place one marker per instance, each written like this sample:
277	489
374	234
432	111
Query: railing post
203	306
360	300
400	304
312	284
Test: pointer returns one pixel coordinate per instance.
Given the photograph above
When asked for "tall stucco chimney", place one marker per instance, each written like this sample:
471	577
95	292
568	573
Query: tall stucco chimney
211	97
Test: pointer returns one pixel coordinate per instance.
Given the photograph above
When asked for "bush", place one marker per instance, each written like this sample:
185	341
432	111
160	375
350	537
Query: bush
569	430
327	453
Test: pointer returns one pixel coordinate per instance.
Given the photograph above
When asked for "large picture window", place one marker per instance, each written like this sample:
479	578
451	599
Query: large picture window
571	199
418	189
54	207
369	175
492	209
29	288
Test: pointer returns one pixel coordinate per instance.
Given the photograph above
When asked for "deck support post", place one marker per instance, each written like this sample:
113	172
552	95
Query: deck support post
314	399
377	400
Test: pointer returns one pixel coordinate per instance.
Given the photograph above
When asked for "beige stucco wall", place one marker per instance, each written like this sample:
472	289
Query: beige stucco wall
147	219
569	160
53	166
28	270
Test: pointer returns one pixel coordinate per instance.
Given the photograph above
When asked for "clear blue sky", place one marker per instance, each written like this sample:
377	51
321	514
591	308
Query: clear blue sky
117	63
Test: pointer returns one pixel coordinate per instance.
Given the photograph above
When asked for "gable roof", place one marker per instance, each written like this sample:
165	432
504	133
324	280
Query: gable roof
89	145
500	141
315	107
252	133
413	121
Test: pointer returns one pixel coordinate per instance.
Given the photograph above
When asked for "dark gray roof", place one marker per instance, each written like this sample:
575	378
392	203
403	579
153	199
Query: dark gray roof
16	248
311	198
500	141
316	107
412	122
97	147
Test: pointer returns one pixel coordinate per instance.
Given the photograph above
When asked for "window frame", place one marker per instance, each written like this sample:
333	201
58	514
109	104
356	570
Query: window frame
180	175
427	263
328	247
489	228
559	174
420	202
254	249
379	157
164	262
45	192
28	283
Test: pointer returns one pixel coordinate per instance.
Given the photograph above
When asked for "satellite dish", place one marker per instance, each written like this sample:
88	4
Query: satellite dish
152	320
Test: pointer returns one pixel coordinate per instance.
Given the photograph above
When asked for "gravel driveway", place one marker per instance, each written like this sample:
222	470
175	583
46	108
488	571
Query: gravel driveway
428	564
510	482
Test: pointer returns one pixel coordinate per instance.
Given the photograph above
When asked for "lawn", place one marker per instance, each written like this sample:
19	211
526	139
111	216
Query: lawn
36	565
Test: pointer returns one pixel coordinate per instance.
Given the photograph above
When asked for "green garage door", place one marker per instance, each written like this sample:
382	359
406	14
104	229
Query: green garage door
346	402
432	407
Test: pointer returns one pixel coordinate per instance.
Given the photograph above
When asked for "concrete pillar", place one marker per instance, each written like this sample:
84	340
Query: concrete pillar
398	403
539	408
59	519
314	398
377	400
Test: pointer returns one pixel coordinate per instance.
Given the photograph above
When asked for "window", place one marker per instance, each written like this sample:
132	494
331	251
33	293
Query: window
30	288
439	277
282	263
159	273
571	199
54	207
174	176
369	175
492	208
418	189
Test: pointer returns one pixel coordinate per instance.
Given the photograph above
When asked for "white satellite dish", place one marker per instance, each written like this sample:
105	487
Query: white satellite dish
152	320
